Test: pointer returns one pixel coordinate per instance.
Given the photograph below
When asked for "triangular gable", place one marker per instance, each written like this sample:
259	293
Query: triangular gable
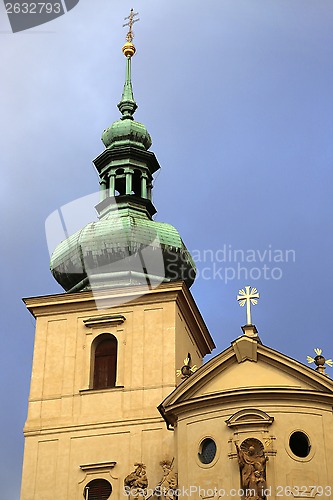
250	375
249	365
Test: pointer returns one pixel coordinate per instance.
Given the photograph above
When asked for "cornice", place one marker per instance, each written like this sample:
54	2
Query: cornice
177	291
266	355
192	315
98	467
82	301
239	396
184	399
106	319
122	426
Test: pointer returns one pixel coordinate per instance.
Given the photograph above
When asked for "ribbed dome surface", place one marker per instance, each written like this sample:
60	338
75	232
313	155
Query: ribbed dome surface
122	249
126	132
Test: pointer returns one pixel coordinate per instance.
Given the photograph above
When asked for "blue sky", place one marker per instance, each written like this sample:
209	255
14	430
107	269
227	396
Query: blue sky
237	96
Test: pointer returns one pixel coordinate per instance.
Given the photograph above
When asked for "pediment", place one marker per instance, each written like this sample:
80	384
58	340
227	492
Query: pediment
249	416
261	370
249	374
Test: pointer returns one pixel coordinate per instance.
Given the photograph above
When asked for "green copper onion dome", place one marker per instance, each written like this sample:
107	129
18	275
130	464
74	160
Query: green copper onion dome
126	132
125	246
122	249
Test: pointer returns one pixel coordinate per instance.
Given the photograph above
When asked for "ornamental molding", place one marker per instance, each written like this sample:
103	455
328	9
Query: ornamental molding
100	467
114	319
251	417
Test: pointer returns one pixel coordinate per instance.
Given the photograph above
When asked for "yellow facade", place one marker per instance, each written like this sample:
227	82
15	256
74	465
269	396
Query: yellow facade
75	433
250	391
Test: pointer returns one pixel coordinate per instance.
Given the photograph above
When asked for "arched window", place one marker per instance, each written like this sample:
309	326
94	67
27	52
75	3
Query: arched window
105	363
120	182
98	489
136	183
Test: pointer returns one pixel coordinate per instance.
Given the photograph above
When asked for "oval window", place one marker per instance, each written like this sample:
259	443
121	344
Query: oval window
97	489
299	444
207	451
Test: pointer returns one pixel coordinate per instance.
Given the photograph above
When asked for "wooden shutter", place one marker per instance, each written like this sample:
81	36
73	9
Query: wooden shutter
99	489
105	363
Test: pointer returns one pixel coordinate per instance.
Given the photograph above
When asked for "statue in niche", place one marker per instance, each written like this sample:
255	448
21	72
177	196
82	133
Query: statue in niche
252	462
136	482
167	486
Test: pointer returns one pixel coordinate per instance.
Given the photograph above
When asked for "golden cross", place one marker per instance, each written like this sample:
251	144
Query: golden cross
248	296
131	21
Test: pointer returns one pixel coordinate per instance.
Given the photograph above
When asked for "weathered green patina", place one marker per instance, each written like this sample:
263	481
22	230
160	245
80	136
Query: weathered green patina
127	131
125	246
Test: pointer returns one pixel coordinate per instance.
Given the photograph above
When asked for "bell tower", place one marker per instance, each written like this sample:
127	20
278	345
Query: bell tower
108	348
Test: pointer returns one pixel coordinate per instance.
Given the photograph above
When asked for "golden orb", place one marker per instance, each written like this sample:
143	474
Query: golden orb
129	49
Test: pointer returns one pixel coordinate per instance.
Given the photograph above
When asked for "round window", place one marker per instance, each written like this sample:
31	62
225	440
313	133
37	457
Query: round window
299	444
207	451
97	489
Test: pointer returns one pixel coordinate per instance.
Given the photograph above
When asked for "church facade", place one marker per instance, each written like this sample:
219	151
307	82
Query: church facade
121	404
251	398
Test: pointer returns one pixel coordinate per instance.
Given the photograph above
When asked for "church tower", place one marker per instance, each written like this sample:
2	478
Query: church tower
107	350
106	409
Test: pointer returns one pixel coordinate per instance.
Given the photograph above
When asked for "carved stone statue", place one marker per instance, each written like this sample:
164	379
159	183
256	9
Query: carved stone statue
252	462
136	482
167	486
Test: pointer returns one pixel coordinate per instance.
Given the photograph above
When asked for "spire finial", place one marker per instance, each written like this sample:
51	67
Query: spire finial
129	48
187	370
248	296
127	105
319	361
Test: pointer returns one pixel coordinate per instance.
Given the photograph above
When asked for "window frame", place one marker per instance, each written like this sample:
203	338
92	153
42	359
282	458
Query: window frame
96	342
95	480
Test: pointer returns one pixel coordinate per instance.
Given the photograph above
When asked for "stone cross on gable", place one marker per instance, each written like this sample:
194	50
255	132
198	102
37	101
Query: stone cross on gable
248	296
